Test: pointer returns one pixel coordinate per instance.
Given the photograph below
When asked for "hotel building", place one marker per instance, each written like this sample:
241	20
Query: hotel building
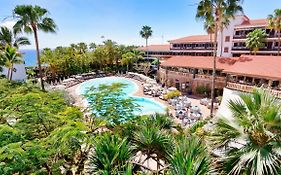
188	61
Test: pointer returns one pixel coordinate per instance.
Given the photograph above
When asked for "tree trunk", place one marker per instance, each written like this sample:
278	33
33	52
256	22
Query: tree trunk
11	73
279	40
221	42
38	57
8	74
214	70
127	68
146	45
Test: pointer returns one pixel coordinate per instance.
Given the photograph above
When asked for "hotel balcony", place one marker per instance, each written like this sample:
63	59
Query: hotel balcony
205	77
245	36
240	48
249	88
192	48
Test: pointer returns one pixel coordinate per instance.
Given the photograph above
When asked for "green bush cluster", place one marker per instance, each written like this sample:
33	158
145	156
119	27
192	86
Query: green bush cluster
172	94
203	90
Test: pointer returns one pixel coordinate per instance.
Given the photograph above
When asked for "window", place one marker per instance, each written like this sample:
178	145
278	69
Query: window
226	50
227	38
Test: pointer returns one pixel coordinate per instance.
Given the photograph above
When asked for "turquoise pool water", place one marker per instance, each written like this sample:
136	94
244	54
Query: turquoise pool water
147	105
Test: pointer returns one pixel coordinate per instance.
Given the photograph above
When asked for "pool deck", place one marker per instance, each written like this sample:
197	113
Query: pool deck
81	102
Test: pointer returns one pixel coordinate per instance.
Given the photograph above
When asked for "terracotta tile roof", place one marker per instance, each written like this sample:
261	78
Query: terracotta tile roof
253	22
199	62
252	66
163	47
192	39
257	66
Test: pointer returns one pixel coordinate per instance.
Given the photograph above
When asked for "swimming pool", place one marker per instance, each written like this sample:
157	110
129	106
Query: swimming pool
147	106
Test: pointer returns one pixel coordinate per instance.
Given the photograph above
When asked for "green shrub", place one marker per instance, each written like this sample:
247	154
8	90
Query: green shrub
203	90
172	94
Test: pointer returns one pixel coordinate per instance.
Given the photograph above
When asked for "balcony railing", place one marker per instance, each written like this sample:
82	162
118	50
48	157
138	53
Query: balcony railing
261	49
191	75
249	88
192	48
245	36
209	77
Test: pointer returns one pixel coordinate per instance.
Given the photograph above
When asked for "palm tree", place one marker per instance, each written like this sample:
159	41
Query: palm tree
110	49
110	156
251	137
256	40
131	57
218	11
31	19
8	37
146	32
274	22
190	157
153	142
11	57
209	26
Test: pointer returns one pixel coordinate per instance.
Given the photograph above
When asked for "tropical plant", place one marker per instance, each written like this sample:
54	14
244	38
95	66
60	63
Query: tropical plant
256	40
274	22
32	19
153	144
251	137
189	157
219	11
109	103
209	27
146	32
143	67
92	46
8	37
172	94
11	57
203	90
111	155
129	58
110	51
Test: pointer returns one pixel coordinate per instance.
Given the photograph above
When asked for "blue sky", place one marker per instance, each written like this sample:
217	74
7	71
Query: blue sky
121	20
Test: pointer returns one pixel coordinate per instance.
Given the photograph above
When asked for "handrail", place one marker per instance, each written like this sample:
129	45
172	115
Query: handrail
249	88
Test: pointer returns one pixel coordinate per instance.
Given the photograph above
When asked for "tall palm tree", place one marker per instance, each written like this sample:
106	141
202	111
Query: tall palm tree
190	157
251	137
146	32
110	49
209	27
274	22
256	40
9	37
31	19
11	57
218	11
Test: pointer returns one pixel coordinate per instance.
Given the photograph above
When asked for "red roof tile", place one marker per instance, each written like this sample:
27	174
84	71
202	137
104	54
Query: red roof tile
199	62
249	65
258	66
254	22
192	39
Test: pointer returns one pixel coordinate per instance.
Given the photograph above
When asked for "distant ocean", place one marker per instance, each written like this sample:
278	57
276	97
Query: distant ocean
29	57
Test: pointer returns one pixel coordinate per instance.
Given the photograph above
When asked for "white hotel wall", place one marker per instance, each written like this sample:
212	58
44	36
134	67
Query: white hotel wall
229	31
19	75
